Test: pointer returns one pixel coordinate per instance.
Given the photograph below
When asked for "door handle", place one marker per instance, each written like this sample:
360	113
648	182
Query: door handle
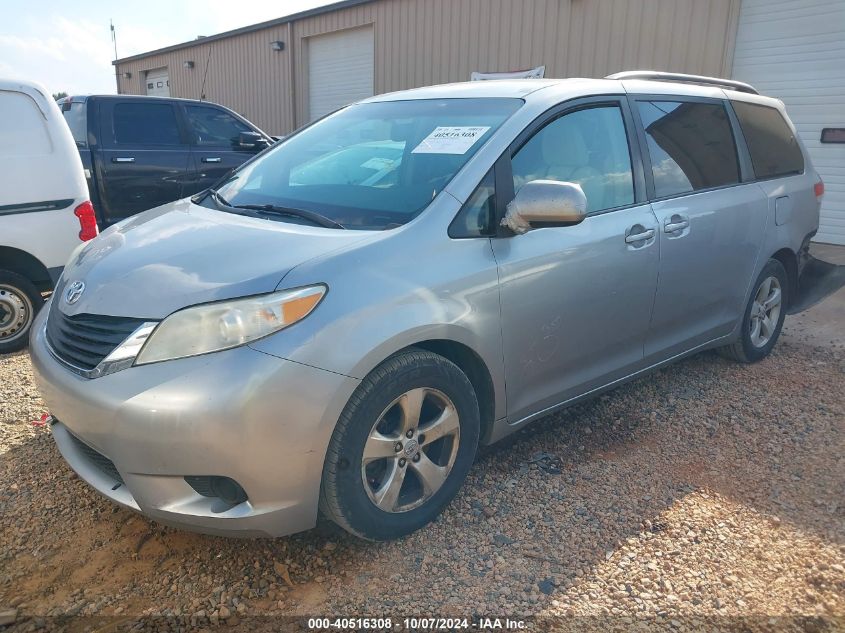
675	223
123	159
211	159
639	237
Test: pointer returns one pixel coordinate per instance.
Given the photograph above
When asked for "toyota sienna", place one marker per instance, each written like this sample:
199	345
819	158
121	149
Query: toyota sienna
339	324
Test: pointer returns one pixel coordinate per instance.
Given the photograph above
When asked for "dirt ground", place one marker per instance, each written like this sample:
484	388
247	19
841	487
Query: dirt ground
707	496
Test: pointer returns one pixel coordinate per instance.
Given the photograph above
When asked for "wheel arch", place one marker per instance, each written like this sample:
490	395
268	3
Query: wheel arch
789	259
26	265
469	362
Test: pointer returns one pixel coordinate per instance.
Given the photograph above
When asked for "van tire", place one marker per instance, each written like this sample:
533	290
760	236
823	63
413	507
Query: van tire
19	293
346	492
745	350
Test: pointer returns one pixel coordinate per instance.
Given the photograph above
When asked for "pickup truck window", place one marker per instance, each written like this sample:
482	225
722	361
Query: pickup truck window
76	115
145	124
215	127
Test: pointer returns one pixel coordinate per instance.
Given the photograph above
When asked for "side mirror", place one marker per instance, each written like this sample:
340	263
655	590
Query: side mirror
545	202
252	141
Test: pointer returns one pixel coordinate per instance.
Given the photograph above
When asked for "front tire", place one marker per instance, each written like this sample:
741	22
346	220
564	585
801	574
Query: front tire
763	317
402	447
20	301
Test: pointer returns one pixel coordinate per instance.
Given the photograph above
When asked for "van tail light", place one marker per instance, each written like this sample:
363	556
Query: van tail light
87	221
818	189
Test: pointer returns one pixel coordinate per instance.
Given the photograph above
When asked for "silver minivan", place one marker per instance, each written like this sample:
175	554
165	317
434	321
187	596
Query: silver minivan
339	324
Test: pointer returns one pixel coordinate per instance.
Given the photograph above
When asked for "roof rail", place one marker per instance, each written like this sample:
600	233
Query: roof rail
653	75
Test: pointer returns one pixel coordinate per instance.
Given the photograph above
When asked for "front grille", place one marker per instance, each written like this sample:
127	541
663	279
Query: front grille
83	340
103	463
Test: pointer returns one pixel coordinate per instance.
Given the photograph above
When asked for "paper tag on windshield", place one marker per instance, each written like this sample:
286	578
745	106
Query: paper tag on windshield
450	140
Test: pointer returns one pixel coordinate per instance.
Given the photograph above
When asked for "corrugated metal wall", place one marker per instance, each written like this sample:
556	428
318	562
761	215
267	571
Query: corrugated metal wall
423	42
795	51
244	74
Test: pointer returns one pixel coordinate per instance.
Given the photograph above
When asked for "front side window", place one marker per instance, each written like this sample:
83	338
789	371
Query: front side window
773	147
145	124
690	144
588	147
371	165
215	127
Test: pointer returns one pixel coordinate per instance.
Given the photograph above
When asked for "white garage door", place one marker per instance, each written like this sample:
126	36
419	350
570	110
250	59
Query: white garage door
340	69
158	83
795	50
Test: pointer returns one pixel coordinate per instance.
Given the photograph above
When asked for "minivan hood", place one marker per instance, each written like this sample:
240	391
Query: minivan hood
182	254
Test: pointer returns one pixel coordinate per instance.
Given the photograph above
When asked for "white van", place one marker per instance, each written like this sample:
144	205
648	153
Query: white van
44	208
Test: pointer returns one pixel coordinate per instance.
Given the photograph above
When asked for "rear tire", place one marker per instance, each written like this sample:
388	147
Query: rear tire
763	317
402	447
20	301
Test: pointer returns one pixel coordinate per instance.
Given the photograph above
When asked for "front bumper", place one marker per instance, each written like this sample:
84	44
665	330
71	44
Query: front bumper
260	420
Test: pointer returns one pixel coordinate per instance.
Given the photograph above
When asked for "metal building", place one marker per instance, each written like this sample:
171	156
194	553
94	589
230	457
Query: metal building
286	72
283	73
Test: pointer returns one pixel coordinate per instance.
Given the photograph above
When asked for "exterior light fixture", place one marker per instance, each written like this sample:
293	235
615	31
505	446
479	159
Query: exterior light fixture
187	64
127	75
277	46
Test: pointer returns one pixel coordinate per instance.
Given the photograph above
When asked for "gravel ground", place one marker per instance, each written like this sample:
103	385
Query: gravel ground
706	496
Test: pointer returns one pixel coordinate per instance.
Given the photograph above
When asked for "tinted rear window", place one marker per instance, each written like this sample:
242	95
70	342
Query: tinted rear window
690	145
145	124
771	143
76	115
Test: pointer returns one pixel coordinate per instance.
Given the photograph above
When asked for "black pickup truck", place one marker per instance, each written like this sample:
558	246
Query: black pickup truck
140	152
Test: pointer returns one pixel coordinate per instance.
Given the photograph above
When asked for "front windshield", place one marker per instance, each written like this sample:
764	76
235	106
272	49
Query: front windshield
371	165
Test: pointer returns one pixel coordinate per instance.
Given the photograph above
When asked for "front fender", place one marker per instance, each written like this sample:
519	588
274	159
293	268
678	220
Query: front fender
395	293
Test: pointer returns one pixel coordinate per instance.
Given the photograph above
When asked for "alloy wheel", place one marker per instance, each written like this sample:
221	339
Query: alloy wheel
765	311
410	450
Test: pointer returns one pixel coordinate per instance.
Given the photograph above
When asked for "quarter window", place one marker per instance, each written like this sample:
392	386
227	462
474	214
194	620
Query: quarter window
476	217
215	127
773	147
690	145
588	147
145	124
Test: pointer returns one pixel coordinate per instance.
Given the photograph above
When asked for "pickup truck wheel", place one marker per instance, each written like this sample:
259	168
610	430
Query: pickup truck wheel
763	317
19	303
402	447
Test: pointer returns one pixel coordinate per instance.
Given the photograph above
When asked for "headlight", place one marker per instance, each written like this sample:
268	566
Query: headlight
218	326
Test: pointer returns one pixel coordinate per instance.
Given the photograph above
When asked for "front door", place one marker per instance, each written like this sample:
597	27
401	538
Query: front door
144	157
215	145
711	225
576	301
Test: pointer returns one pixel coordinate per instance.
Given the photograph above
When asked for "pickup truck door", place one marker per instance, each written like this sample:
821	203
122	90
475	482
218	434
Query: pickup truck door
215	144
143	158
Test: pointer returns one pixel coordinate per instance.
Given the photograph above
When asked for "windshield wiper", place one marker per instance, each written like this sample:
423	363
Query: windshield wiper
272	209
311	216
218	200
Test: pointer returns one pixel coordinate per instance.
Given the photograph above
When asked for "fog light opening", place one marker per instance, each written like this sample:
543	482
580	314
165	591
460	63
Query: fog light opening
226	492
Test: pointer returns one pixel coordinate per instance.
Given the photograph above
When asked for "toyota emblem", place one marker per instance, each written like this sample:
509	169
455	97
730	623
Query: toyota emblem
74	291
